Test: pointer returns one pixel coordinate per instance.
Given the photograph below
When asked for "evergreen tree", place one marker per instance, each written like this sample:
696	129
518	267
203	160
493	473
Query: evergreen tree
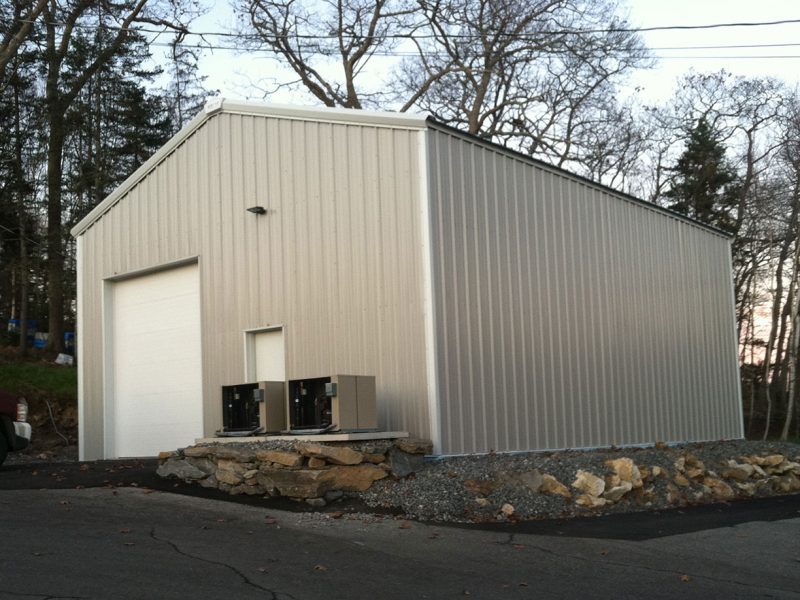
63	23
185	93
704	183
79	112
20	148
114	124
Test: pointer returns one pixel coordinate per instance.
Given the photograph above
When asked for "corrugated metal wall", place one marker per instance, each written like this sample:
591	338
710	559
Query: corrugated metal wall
337	260
567	316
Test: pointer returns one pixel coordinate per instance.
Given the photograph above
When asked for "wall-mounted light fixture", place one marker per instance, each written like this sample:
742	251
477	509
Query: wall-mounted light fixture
257	210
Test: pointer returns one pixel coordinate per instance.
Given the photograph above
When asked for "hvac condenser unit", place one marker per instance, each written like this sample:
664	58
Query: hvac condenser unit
249	408
338	402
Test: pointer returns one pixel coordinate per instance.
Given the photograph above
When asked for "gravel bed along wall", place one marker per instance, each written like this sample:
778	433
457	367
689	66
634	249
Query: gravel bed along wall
494	487
510	486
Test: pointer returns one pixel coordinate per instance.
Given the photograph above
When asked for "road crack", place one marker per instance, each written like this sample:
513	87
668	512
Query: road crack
508	542
41	596
245	579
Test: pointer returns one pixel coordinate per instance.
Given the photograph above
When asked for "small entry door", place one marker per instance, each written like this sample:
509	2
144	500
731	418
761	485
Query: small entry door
266	364
266	356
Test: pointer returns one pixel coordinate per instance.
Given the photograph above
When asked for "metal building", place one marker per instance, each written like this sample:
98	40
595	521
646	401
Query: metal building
502	304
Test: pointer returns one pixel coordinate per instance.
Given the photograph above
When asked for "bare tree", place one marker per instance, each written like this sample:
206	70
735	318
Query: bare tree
788	239
327	45
475	51
790	326
612	144
17	26
794	345
539	75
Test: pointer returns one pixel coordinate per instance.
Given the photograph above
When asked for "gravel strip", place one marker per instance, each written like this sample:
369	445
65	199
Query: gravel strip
438	493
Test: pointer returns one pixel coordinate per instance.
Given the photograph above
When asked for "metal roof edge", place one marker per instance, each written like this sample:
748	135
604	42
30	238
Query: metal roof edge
345	115
219	105
332	115
432	122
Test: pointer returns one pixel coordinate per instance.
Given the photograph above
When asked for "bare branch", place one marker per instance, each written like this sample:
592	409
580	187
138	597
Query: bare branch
21	24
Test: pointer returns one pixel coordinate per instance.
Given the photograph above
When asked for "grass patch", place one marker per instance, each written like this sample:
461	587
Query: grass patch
52	394
37	379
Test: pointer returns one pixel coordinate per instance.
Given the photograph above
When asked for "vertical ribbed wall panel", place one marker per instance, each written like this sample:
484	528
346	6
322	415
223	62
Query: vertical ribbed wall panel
90	352
567	316
336	261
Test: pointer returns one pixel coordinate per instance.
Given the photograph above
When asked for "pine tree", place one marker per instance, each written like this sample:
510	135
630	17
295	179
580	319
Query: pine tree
88	114
185	92
704	184
114	124
19	149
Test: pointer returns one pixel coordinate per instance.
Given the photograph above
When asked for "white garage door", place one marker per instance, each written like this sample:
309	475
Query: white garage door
156	355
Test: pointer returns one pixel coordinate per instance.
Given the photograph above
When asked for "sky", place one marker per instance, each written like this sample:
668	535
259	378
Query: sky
236	75
658	83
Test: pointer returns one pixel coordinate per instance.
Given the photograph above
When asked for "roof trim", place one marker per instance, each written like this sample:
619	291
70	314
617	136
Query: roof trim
342	115
220	105
432	122
323	114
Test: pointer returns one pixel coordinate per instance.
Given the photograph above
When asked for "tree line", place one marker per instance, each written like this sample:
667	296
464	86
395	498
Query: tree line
545	77
79	112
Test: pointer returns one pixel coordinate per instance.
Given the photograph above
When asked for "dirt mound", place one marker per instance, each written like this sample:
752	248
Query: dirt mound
51	392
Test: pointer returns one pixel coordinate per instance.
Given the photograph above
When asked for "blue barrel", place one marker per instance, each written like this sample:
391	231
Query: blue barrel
40	341
13	327
69	342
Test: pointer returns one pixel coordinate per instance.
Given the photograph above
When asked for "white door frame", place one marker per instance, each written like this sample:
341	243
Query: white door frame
249	336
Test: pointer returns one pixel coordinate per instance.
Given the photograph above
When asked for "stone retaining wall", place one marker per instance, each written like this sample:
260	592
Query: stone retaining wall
490	487
316	473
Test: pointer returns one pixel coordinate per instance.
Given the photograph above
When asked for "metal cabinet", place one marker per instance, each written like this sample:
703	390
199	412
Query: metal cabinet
341	402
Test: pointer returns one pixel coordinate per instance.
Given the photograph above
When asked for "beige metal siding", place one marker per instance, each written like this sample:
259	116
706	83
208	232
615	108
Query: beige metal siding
336	261
567	316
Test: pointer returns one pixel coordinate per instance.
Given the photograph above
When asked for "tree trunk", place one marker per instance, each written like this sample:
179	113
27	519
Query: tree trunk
792	376
55	243
23	282
776	306
779	370
793	347
24	274
752	407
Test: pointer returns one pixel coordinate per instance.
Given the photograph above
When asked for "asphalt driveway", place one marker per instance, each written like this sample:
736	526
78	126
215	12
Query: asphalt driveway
133	543
140	474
